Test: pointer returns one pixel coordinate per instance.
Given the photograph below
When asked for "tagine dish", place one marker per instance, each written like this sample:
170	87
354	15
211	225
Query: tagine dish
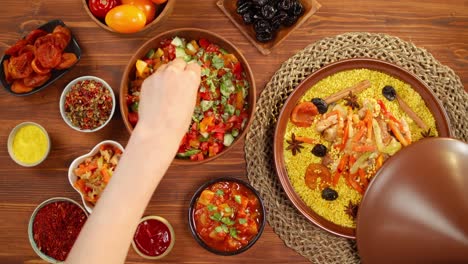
338	128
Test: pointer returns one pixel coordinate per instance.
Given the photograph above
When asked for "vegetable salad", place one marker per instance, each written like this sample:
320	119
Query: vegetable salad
221	109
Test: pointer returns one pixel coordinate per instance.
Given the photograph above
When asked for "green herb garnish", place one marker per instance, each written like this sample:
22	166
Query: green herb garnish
216	216
242	221
233	232
217	62
211	207
228	221
237	198
220	192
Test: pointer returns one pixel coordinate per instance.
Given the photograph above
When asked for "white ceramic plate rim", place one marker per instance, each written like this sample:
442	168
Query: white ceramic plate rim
10	144
72	177
33	216
68	87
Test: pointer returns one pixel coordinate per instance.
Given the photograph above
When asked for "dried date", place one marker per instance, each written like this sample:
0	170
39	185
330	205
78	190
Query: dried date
297	9
261	26
264	36
268	11
244	7
248	17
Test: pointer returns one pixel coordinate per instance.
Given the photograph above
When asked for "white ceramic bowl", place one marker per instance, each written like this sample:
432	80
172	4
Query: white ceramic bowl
72	178
31	222
67	89
10	144
171	230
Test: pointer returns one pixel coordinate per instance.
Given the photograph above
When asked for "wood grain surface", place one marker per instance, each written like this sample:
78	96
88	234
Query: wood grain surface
441	27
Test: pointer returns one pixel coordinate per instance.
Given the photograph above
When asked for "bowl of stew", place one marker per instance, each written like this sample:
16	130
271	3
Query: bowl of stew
225	98
226	216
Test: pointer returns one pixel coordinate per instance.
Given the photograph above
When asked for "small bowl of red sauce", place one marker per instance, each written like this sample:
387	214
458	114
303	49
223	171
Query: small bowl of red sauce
154	237
226	216
54	227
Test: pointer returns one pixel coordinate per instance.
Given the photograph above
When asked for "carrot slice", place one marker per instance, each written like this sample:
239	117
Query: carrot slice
306	140
397	133
340	169
303	114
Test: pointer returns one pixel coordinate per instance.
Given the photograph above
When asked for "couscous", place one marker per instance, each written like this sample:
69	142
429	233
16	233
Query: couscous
333	151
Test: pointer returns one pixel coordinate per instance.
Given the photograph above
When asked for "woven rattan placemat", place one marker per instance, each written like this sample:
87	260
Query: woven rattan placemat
299	234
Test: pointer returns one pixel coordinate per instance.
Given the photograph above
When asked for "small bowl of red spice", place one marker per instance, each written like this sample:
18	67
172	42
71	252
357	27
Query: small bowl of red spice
54	226
87	104
154	237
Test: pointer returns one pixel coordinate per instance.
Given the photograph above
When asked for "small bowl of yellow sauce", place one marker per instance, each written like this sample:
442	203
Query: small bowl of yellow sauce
28	144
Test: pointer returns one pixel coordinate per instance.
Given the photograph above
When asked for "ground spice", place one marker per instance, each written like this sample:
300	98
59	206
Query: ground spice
30	144
56	227
88	104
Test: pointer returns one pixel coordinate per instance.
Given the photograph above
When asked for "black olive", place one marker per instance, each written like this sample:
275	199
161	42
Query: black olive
262	26
260	2
321	105
248	17
296	9
285	4
244	7
289	21
264	36
319	150
389	92
329	194
268	11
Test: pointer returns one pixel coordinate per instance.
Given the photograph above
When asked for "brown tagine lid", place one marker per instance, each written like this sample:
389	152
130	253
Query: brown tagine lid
416	209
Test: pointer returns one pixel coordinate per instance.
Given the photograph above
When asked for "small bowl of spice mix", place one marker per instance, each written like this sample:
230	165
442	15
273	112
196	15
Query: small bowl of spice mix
28	144
54	227
87	104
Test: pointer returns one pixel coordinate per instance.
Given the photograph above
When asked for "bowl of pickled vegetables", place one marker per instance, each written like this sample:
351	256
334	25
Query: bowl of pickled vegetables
225	99
90	173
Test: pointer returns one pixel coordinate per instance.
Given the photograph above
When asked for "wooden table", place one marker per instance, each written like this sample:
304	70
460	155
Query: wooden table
438	26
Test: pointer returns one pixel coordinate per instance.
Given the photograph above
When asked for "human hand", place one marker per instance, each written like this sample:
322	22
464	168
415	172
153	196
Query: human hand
168	97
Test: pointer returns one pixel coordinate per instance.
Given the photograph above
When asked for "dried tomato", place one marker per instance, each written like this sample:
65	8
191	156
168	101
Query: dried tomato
64	30
6	70
317	171
18	86
36	80
35	34
49	55
61	40
20	67
26	49
68	59
303	114
38	68
13	50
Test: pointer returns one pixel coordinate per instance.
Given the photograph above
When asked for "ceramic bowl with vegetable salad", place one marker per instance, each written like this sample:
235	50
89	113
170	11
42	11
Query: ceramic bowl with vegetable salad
225	98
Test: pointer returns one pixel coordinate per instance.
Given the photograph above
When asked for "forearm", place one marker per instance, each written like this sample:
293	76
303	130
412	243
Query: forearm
146	159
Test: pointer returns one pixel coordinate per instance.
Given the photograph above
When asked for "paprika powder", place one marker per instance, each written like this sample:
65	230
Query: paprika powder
56	227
